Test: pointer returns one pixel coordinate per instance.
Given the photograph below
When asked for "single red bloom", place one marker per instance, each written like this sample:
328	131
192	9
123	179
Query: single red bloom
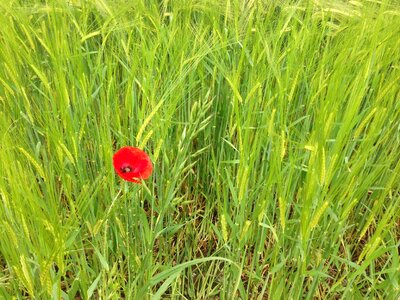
132	164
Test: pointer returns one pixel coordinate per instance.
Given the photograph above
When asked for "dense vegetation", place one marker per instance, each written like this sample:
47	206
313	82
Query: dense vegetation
273	127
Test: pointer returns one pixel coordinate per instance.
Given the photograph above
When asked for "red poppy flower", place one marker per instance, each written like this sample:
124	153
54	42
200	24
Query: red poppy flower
132	164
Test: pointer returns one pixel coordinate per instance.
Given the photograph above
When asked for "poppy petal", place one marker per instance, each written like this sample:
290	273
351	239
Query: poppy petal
132	164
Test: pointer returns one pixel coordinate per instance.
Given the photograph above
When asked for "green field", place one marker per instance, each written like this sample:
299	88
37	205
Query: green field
273	128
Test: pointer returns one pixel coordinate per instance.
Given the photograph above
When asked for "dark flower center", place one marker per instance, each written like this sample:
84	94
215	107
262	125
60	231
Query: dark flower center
126	169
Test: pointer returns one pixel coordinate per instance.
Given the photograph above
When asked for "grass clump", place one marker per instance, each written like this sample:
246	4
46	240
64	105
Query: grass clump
274	132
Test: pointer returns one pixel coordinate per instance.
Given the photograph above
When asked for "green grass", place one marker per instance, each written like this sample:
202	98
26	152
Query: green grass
273	126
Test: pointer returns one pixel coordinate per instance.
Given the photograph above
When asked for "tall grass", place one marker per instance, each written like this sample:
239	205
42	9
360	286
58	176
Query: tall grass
273	126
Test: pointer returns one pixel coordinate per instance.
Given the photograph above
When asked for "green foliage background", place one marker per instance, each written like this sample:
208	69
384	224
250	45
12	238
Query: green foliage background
274	131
